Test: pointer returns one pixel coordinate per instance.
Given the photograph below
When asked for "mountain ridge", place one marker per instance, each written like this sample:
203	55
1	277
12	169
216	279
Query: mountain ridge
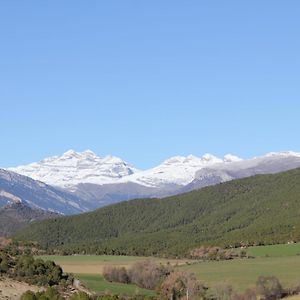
262	209
74	168
18	188
122	181
17	215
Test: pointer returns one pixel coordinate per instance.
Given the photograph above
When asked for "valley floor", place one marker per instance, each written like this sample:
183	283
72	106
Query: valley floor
242	274
282	261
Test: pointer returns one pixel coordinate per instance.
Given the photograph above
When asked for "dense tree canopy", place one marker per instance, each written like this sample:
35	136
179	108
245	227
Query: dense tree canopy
262	209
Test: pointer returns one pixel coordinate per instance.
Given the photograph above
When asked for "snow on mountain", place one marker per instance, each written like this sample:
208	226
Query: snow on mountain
73	168
177	170
16	188
270	163
95	181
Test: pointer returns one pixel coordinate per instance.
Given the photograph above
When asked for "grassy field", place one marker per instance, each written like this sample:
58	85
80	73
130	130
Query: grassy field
275	250
281	261
244	273
94	264
88	269
97	283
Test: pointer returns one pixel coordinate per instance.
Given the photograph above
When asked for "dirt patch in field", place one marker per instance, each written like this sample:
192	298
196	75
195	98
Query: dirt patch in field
12	290
96	267
88	268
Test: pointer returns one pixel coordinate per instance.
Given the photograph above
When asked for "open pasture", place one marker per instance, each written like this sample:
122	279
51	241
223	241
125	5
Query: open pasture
243	273
281	261
275	250
97	283
94	264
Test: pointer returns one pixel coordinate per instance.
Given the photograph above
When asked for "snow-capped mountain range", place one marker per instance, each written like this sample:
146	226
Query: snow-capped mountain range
73	168
97	181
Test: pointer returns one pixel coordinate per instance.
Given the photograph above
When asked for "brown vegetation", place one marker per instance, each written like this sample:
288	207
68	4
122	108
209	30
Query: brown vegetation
216	253
146	274
182	285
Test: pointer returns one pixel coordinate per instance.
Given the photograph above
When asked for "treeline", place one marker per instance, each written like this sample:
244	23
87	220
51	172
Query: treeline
252	211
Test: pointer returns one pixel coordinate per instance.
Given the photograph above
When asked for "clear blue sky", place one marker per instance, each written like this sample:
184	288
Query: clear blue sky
146	80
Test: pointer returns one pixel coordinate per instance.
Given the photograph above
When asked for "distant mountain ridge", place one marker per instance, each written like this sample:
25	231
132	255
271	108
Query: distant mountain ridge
74	168
16	216
93	181
271	163
16	188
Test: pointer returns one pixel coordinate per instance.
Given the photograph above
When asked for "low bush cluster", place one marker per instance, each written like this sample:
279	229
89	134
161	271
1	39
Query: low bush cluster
216	253
53	294
33	271
182	285
145	274
49	294
37	271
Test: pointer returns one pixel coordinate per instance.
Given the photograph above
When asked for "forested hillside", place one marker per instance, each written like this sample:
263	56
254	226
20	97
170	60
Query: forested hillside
16	216
254	210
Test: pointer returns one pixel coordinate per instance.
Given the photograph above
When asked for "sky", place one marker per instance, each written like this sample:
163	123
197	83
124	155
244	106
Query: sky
147	80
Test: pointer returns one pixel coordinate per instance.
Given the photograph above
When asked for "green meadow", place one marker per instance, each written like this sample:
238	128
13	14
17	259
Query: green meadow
281	261
243	273
275	250
97	283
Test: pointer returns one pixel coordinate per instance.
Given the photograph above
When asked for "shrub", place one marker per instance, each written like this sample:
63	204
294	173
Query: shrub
269	287
148	274
213	253
80	296
116	274
49	294
28	296
37	271
182	285
224	291
293	289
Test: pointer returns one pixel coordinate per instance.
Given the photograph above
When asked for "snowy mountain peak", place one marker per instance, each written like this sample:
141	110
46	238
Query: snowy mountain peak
70	153
231	158
73	168
283	153
210	158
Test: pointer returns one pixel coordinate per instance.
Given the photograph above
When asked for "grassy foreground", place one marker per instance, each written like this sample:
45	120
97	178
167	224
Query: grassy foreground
88	269
97	283
275	250
281	261
243	274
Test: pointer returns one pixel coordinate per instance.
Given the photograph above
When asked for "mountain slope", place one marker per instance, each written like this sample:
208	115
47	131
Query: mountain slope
259	209
73	168
177	170
100	181
36	194
16	216
269	164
